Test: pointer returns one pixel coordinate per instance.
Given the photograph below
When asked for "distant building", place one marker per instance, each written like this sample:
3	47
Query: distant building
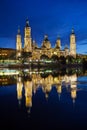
45	48
7	53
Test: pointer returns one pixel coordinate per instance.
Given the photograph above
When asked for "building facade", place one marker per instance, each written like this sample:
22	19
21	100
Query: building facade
45	49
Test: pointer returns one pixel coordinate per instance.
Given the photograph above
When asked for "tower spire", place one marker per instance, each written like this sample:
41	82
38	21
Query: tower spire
66	46
58	42
18	43
73	44
19	30
58	37
73	31
27	37
27	22
46	37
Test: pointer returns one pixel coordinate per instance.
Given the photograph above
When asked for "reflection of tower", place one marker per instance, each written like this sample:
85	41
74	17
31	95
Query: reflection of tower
19	89
28	94
47	90
27	38
73	87
47	85
73	44
73	94
66	78
59	90
18	44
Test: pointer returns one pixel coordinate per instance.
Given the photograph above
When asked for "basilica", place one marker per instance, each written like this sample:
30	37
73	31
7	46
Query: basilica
30	46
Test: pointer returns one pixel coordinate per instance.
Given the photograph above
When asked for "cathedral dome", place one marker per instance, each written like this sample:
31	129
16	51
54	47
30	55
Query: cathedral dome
46	43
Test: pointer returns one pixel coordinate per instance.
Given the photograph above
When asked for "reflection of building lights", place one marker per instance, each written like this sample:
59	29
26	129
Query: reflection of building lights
59	90
73	94
9	72
28	94
46	83
19	89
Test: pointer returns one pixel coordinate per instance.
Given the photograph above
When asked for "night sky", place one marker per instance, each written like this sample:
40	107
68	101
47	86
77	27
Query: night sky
52	17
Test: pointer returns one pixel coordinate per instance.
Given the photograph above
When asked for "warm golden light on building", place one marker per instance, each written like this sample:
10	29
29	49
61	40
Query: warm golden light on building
46	43
58	43
18	43
73	44
45	49
27	38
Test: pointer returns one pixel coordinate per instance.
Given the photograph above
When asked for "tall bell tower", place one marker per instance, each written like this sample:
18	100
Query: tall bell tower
27	38
73	44
58	43
18	43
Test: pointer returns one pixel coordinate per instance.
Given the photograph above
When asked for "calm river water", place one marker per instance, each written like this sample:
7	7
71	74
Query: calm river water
42	100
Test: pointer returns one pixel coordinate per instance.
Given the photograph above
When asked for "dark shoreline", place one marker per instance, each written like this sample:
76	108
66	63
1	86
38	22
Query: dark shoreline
52	66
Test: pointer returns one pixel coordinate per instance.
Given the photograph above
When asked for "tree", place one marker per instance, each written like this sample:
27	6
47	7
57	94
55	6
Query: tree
44	57
54	58
62	60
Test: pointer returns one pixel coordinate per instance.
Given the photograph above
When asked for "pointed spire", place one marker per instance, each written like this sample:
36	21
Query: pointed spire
46	38
58	38
27	22
73	31
19	30
66	46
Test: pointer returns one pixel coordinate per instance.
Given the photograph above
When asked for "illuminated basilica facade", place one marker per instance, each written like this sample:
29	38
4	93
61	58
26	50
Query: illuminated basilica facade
45	49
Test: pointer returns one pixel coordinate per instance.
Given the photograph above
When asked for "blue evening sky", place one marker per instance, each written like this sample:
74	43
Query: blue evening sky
52	17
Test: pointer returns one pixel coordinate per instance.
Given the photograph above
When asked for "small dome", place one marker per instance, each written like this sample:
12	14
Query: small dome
57	47
66	47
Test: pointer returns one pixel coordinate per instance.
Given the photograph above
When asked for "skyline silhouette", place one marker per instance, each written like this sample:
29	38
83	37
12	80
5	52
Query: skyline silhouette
45	17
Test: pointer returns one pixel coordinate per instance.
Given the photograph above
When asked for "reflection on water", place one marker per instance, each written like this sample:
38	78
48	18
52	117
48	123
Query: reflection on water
29	82
35	81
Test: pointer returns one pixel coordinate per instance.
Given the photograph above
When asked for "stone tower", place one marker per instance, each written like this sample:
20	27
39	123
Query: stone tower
18	44
27	38
58	43
73	44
